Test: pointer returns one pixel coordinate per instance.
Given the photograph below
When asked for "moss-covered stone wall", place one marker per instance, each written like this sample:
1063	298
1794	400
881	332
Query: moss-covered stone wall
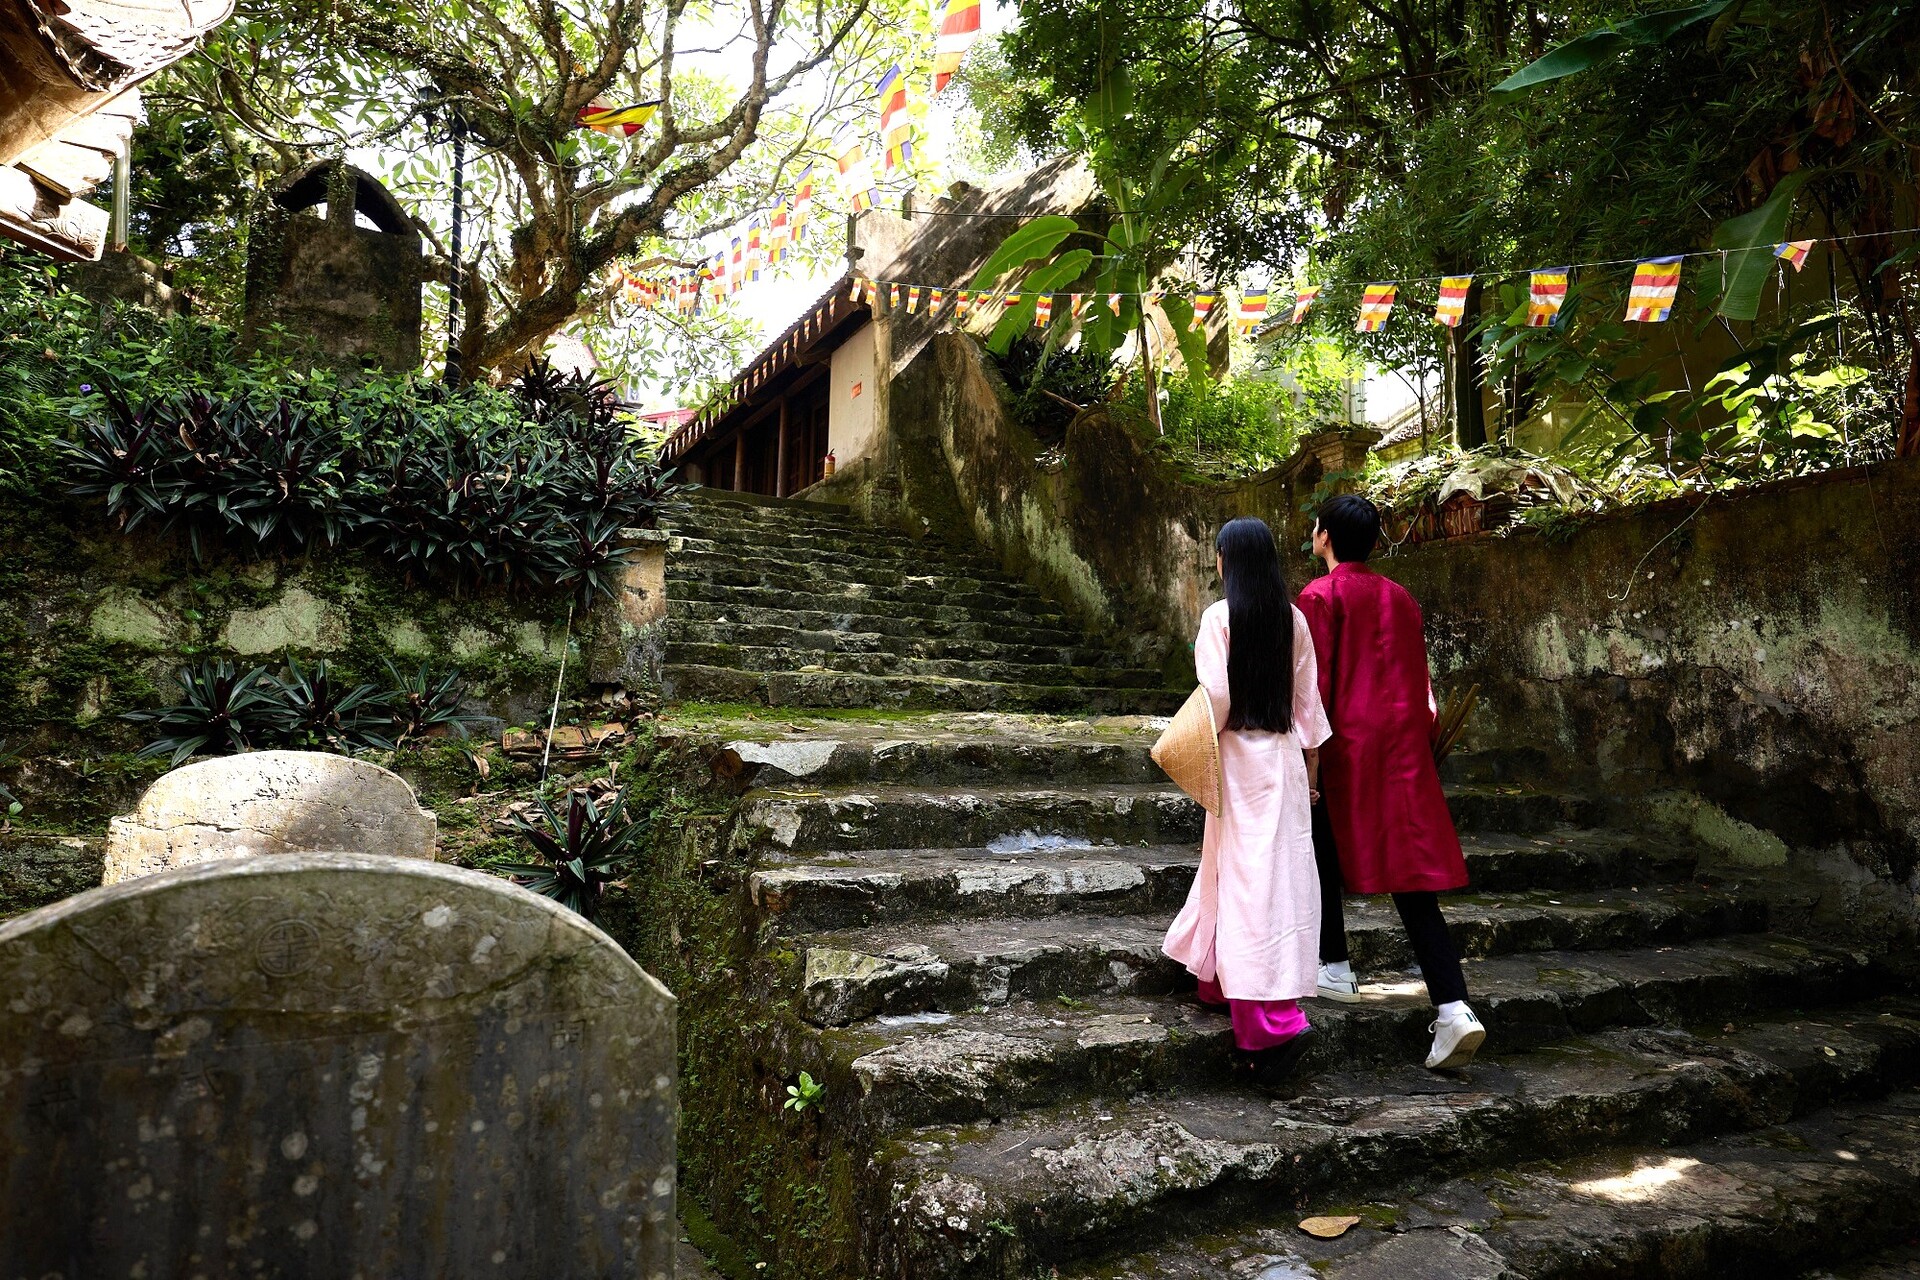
1746	666
95	622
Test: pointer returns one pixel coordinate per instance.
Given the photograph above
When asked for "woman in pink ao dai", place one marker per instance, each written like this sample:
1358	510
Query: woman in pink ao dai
1250	929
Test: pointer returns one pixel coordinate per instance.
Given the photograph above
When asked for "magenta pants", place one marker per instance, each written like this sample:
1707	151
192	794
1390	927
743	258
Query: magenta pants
1258	1024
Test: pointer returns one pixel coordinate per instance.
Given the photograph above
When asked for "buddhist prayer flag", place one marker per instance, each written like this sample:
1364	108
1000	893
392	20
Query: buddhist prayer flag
756	250
1202	307
1655	282
1113	303
1794	251
739	257
893	297
1303	303
895	129
1452	306
962	304
1253	309
853	294
934	300
606	118
959	28
873	294
913	299
856	176
1043	309
1376	304
780	232
1546	294
803	192
1078	304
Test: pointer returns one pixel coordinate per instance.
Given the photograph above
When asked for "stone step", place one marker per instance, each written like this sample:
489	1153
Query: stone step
904	590
917	753
755	545
932	606
1805	1197
1069	1186
1010	817
723	611
955	965
960	817
940	1068
1078	653
1044	875
974	667
694	683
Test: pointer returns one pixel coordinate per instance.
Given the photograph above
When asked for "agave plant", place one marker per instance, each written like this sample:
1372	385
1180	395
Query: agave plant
580	854
318	711
225	711
424	700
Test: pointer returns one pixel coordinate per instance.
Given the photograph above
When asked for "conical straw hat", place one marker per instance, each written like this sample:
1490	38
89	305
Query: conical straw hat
1189	751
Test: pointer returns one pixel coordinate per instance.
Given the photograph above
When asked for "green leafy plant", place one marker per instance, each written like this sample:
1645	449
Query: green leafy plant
316	711
1046	392
580	854
806	1092
224	711
471	489
424	701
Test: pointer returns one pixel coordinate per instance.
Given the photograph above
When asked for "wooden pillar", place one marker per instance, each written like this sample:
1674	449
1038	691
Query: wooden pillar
780	463
740	460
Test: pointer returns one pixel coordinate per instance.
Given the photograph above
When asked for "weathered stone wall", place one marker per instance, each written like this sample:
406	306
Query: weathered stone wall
1747	666
94	622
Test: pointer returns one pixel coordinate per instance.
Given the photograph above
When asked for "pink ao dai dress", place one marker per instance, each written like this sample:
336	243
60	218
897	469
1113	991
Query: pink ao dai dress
1250	929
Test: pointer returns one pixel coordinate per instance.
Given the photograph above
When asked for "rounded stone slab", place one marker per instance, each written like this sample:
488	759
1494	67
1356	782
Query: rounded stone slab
327	1066
268	802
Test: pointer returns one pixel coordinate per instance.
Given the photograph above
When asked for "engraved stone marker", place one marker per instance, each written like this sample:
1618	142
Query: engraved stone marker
329	1066
268	802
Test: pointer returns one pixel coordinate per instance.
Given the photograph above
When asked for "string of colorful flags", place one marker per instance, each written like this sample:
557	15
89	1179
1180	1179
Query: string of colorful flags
766	239
1650	298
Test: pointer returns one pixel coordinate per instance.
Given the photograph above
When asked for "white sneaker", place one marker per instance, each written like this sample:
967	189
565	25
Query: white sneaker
1455	1041
1345	990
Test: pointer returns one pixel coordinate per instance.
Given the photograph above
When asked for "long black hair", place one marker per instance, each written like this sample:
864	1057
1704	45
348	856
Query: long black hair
1259	628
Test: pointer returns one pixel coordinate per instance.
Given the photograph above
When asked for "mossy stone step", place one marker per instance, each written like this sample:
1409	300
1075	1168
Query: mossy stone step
869	620
977	667
695	683
819	759
834	550
1078	653
775	585
960	817
854	601
1516	970
1800	1198
1073	1184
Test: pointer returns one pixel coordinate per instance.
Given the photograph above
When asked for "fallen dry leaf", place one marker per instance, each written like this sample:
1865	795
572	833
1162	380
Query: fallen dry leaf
1329	1228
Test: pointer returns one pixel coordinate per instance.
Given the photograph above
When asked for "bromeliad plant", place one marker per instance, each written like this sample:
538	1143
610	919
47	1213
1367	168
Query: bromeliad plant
305	708
580	854
224	711
424	700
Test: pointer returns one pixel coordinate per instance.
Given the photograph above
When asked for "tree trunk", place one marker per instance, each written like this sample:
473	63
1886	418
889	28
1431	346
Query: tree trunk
1469	410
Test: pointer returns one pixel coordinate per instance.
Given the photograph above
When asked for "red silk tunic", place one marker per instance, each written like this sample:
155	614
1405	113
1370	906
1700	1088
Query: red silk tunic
1382	792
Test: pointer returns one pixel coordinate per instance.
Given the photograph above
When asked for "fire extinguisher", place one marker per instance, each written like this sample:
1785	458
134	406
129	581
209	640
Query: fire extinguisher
829	465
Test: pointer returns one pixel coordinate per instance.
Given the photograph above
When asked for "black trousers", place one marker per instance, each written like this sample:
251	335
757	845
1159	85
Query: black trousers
1419	914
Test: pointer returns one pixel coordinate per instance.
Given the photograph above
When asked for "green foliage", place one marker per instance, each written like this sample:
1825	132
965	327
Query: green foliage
1349	141
470	488
580	854
1080	375
806	1092
227	710
1234	427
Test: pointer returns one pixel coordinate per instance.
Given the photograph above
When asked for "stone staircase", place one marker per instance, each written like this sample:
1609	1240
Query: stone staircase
967	923
797	604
